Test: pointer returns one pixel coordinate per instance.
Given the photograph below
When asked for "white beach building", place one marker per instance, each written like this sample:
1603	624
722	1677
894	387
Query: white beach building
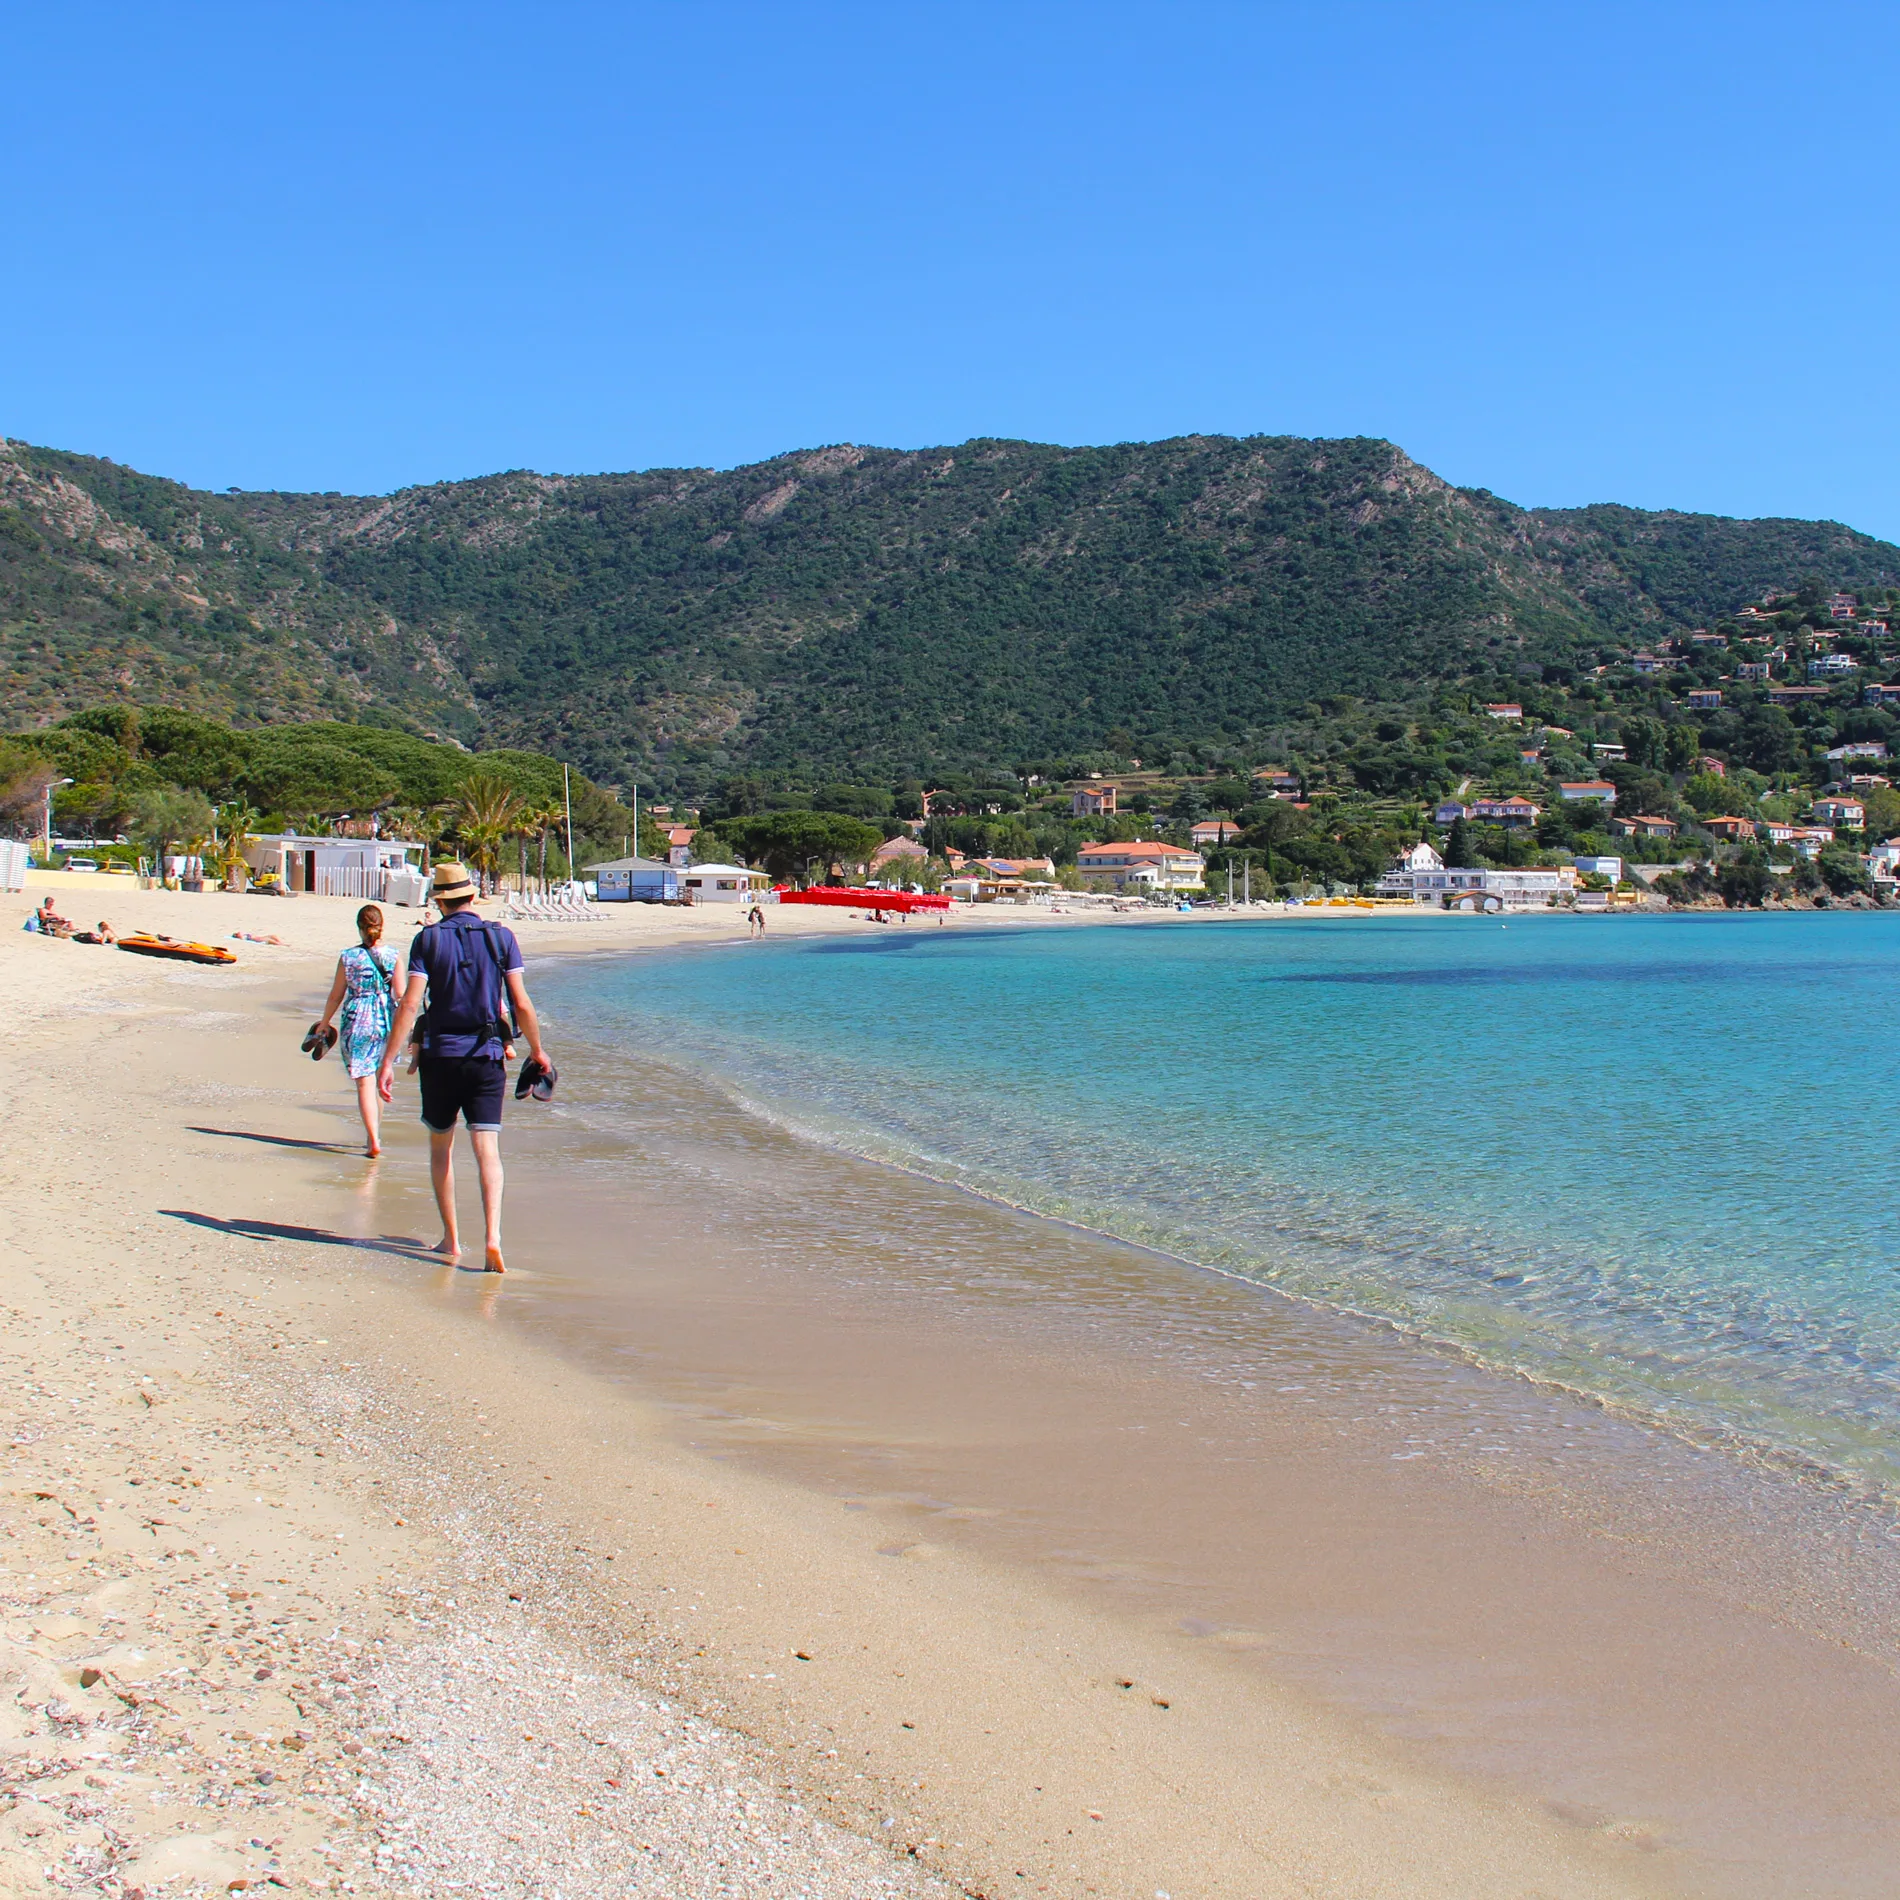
1420	874
723	884
339	867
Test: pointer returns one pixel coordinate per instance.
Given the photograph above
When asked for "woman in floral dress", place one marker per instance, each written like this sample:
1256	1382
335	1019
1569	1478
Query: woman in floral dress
368	981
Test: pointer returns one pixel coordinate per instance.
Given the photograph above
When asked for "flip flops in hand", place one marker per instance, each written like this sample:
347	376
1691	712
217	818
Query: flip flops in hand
536	1079
319	1042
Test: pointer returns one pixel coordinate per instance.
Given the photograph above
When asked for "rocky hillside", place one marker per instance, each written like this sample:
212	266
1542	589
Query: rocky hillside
848	610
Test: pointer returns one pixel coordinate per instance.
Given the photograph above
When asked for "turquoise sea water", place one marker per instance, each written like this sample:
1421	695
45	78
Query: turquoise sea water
1648	1158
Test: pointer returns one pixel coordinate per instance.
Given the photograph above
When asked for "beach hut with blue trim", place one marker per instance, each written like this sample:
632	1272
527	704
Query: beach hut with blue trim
636	881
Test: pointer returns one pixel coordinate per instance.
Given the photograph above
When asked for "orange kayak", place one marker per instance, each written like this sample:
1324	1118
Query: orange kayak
145	944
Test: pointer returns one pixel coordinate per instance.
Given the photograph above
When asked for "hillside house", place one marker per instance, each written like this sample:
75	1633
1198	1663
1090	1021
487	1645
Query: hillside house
1832	666
1598	789
1752	670
1087	800
1610	753
899	857
1860	749
1806	839
1797	695
1448	811
1214	831
1601	865
1280	784
1878	695
1733	829
1505	709
679	844
1140	868
1842	606
1513	811
1849	813
1883	861
1704	698
1714	767
1702	638
1644	826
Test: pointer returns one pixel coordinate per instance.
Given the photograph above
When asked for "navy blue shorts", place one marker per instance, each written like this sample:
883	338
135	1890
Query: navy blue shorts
469	1086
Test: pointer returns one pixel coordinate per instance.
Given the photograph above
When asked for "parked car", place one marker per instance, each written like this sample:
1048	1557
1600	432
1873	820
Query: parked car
116	869
82	864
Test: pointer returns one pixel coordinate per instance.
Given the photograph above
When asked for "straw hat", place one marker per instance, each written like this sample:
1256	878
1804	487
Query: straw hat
450	880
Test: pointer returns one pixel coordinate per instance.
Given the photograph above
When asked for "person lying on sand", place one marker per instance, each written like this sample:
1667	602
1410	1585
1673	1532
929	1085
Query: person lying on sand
104	934
251	936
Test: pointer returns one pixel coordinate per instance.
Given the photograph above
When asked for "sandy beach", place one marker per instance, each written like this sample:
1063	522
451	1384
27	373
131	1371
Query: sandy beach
328	1568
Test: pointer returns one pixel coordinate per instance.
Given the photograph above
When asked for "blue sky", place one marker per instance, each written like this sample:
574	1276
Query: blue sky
1568	253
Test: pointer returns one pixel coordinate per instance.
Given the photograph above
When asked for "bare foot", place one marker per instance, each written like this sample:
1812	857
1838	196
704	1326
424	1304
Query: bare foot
448	1247
492	1261
374	1151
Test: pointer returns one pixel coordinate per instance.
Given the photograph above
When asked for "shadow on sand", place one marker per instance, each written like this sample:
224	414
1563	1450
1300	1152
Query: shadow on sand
281	1141
400	1245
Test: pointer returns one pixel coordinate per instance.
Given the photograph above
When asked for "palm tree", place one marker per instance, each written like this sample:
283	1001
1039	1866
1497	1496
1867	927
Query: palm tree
237	825
488	812
541	819
406	822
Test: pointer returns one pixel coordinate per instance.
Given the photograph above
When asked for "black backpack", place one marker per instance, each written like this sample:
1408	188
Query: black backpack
466	1005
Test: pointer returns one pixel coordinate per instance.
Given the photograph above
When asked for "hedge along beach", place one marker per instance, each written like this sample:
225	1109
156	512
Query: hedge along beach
669	1470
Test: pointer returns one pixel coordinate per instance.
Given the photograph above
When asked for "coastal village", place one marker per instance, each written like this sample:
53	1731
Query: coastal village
782	791
1744	764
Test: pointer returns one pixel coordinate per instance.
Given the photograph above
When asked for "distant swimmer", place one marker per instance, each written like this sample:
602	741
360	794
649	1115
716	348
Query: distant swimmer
470	972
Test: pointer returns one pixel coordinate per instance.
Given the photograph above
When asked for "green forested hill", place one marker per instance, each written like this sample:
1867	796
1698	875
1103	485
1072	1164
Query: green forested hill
850	612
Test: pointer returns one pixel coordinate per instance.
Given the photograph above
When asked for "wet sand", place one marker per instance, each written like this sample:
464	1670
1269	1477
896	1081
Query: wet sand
975	1529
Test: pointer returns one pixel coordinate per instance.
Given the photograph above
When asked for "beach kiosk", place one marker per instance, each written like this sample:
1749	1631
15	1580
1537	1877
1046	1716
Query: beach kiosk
724	884
332	867
636	881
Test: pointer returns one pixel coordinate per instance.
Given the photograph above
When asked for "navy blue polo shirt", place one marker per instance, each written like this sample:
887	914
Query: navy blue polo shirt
466	960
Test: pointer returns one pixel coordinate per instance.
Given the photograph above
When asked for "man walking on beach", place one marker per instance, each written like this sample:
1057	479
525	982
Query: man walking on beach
466	968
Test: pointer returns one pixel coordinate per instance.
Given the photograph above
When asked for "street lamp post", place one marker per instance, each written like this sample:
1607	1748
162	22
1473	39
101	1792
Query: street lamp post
46	825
